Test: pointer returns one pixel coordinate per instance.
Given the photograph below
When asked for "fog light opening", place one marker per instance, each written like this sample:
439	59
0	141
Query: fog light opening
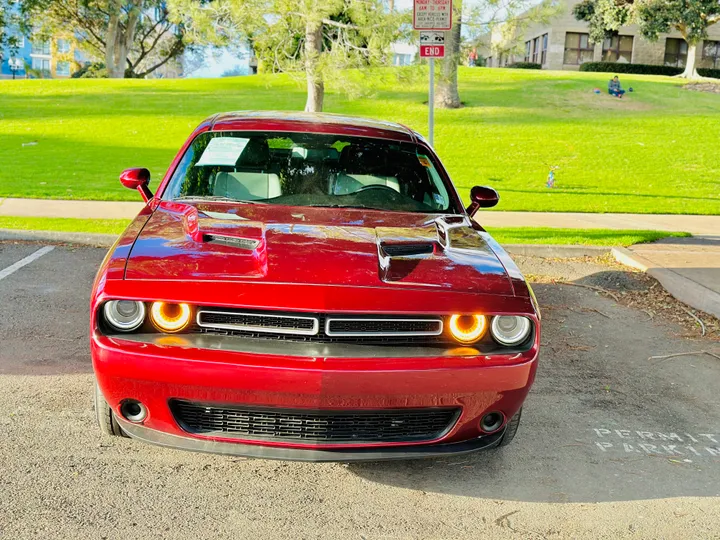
491	422
133	411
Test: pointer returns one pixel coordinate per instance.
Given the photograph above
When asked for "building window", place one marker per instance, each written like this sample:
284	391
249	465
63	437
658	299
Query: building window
543	54
527	51
618	49
63	46
711	53
536	50
41	64
675	52
62	69
41	47
578	49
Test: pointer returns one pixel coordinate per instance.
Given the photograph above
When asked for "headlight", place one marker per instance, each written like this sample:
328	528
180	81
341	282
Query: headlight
170	317
124	315
468	329
510	330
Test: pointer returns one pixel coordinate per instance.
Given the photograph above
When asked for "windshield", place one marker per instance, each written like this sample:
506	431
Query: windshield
309	169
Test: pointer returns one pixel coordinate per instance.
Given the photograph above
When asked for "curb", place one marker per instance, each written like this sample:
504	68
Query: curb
684	289
88	239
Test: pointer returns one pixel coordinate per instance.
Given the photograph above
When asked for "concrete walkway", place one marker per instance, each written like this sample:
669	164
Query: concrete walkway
688	268
69	209
696	225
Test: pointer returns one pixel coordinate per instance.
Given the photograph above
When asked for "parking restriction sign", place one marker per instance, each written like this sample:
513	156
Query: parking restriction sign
432	14
432	44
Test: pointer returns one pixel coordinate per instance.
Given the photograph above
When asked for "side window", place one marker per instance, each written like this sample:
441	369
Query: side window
438	199
175	188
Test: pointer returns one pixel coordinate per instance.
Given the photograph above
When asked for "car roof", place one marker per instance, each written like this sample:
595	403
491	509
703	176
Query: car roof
292	121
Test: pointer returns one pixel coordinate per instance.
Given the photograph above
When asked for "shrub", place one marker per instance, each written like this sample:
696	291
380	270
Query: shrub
643	69
525	65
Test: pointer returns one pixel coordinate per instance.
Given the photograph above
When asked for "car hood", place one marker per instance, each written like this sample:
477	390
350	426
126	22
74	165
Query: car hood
316	246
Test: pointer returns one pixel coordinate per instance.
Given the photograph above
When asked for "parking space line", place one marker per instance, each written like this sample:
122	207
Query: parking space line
24	262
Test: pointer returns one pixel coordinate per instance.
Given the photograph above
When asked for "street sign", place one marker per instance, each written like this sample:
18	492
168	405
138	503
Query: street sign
432	14
432	44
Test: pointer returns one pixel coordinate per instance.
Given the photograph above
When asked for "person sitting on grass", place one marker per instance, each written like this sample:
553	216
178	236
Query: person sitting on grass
614	88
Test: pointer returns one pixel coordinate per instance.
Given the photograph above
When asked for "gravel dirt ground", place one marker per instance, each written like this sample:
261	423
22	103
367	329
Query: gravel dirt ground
612	444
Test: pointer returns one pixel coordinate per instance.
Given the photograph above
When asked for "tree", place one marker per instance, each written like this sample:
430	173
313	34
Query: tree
480	20
319	38
447	95
133	38
691	18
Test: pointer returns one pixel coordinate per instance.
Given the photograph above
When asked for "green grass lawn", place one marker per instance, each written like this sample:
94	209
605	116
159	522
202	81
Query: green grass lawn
654	152
504	235
587	237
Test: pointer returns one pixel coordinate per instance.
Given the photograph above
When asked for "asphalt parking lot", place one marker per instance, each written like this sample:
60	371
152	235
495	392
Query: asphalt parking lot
613	444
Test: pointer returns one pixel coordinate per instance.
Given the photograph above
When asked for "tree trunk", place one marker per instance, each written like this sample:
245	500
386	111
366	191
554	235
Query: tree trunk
690	71
315	84
446	92
119	40
112	42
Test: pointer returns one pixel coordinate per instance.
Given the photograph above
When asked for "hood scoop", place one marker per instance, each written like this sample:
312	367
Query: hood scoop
398	260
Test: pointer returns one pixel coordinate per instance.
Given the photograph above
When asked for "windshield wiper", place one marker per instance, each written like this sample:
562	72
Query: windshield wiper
214	198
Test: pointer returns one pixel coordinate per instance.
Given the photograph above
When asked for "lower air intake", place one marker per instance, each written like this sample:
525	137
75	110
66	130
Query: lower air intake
340	427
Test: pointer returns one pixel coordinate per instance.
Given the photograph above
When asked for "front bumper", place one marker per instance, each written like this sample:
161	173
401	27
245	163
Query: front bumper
167	367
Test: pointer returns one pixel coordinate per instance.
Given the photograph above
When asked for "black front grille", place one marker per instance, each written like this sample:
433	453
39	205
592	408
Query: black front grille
316	426
365	329
384	326
265	321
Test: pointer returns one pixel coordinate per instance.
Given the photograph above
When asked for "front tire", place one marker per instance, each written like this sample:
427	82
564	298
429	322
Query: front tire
511	429
106	417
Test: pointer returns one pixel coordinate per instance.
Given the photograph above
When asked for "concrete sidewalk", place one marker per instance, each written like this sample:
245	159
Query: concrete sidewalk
696	225
69	209
688	268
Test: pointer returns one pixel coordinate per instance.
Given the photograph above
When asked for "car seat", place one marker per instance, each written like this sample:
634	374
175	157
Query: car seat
251	180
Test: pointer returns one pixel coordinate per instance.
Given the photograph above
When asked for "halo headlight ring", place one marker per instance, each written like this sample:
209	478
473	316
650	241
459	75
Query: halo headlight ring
170	318
467	329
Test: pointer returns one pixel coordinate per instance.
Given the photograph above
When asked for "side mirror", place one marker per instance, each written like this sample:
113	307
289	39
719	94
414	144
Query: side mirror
137	178
482	197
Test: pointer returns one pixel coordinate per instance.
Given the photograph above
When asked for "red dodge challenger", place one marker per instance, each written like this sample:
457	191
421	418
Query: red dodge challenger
310	287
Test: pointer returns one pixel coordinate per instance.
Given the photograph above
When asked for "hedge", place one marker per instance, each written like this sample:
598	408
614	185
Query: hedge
643	69
525	65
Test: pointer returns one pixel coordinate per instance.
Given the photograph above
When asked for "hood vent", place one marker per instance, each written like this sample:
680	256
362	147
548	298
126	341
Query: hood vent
232	241
407	250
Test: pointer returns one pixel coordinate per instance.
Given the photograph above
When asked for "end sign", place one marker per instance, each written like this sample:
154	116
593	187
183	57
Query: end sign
432	44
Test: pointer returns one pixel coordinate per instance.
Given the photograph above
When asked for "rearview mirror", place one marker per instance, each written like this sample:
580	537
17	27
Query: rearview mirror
482	197
137	178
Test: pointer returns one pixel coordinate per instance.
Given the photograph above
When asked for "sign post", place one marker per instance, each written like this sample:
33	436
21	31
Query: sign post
432	18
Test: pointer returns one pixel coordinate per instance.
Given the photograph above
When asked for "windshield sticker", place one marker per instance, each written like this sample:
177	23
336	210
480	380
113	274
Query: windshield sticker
223	151
424	161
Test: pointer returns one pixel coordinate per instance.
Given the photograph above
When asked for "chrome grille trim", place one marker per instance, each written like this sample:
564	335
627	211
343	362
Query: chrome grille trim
331	333
255	328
